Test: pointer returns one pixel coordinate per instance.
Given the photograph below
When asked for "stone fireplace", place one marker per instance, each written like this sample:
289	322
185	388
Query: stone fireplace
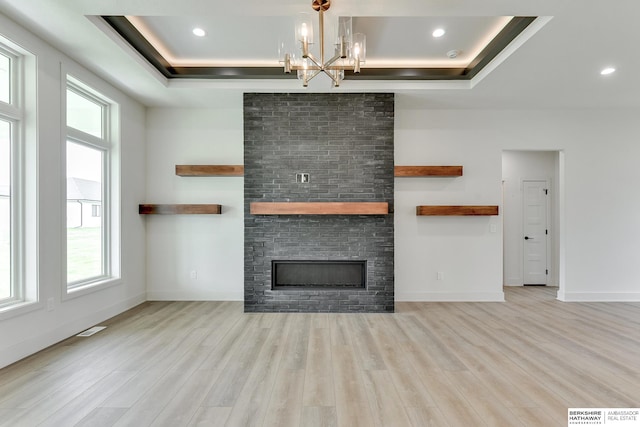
314	148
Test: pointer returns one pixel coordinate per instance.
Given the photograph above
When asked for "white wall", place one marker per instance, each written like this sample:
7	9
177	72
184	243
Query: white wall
598	210
38	328
599	237
463	249
516	167
210	245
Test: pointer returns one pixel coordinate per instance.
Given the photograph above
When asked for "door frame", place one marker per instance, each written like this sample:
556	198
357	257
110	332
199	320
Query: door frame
548	183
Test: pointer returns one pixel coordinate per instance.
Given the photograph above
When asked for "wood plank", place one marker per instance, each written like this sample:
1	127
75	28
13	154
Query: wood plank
456	210
152	209
210	417
210	170
251	406
184	405
319	416
418	171
385	403
318	383
101	417
352	403
80	406
319	208
285	407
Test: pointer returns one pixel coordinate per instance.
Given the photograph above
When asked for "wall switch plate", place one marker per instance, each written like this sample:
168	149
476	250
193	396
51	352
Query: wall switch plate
493	228
440	275
50	303
193	275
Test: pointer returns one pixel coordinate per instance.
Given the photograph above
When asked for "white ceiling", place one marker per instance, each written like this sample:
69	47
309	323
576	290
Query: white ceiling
557	67
253	40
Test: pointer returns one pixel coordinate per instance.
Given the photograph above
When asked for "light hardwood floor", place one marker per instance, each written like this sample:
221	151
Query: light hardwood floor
518	363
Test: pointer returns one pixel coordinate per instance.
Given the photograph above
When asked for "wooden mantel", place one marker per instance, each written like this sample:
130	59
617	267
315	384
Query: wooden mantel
319	208
210	170
457	210
149	209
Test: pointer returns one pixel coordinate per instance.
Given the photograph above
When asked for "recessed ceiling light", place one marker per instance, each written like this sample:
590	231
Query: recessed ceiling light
607	71
199	32
438	33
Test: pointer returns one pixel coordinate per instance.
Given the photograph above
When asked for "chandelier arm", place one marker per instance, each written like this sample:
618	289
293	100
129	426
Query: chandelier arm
336	80
340	68
314	74
330	62
315	61
321	24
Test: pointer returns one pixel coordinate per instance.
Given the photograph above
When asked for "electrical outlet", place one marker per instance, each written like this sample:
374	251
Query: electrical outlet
50	303
440	275
194	274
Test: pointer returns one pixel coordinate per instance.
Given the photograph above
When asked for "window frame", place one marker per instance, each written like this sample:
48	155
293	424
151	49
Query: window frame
24	175
13	114
107	145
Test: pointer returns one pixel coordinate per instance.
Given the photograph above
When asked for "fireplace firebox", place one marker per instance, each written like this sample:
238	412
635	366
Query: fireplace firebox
318	275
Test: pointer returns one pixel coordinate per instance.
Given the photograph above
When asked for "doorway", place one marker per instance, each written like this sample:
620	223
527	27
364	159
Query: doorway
531	202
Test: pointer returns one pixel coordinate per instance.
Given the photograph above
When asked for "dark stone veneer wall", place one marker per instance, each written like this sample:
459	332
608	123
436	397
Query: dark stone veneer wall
345	142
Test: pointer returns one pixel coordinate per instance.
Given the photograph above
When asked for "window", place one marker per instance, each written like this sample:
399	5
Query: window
13	170
5	78
88	204
6	256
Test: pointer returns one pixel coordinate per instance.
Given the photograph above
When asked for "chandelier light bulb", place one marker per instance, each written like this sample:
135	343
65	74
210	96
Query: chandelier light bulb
356	50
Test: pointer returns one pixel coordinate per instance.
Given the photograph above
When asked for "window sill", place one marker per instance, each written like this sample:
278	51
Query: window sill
89	288
19	308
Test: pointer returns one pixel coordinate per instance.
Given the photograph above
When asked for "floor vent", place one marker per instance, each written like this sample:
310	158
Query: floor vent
91	331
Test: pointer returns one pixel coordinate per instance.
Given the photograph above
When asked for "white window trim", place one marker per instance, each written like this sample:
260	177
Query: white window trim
13	114
110	216
24	186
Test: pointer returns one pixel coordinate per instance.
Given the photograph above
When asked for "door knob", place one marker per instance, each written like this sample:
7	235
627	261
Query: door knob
528	238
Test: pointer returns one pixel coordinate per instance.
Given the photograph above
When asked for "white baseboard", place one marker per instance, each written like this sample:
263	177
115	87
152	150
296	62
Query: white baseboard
449	296
194	296
599	296
48	337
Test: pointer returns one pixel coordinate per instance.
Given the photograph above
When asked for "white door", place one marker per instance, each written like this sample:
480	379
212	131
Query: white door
535	195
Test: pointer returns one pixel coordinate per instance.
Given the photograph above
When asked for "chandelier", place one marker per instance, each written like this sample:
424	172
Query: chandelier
349	52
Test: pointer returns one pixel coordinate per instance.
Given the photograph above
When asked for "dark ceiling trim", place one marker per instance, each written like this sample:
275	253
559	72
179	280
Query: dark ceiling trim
512	30
138	42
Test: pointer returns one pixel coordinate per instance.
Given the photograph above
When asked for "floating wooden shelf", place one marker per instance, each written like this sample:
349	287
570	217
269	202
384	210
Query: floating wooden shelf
210	170
417	171
179	209
457	210
319	208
